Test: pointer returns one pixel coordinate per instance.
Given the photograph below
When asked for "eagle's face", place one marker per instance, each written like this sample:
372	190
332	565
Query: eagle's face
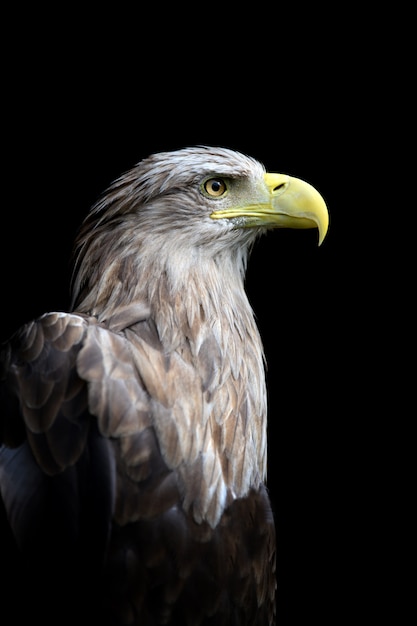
206	193
186	211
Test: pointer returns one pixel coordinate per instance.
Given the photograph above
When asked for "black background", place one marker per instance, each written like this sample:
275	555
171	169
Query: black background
87	98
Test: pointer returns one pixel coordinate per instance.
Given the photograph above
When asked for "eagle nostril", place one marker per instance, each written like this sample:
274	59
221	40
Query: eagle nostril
279	187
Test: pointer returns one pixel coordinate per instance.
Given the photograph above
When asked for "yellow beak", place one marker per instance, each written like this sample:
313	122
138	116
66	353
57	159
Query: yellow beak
284	202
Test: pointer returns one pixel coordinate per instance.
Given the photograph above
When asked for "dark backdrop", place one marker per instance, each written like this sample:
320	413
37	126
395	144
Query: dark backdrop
81	109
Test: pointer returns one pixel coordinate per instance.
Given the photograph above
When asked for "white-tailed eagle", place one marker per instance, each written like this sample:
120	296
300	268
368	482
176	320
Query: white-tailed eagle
133	455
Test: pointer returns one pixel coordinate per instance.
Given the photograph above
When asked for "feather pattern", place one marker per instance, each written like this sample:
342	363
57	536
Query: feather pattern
151	396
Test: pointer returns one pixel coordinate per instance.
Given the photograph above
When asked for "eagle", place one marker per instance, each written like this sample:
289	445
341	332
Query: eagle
133	428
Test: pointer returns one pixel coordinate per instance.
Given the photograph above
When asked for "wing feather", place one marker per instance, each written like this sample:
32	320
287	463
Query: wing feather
116	394
38	368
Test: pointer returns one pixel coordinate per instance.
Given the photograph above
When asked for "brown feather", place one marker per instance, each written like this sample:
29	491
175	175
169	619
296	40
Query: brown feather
144	411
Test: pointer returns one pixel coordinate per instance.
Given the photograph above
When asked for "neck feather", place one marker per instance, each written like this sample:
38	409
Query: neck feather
204	320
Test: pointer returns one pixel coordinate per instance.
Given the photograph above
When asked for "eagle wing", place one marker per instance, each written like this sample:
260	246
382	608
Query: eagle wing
93	469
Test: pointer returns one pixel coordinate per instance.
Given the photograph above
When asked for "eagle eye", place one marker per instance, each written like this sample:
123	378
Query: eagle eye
215	187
